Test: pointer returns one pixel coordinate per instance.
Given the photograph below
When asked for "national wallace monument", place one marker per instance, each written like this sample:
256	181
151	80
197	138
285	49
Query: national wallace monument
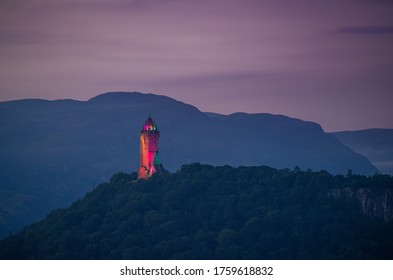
149	162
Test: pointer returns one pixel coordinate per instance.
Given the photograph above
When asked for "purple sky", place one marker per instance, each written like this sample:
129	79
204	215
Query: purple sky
326	61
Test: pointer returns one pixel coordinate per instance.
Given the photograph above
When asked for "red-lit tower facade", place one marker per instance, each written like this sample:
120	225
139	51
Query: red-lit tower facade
149	149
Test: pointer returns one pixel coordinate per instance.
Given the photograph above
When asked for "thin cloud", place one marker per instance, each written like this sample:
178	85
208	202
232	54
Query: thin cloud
219	77
368	29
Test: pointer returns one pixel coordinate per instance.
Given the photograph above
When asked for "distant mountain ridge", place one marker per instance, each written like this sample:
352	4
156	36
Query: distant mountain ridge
52	152
376	144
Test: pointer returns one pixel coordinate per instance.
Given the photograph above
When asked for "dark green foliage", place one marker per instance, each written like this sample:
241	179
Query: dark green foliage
206	212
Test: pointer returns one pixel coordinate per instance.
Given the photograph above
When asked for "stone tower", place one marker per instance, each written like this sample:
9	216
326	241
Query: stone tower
148	149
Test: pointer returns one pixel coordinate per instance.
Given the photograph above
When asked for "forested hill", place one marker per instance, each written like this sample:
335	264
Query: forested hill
206	212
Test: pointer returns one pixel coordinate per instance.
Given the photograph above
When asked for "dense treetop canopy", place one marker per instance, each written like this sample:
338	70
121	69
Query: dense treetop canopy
206	212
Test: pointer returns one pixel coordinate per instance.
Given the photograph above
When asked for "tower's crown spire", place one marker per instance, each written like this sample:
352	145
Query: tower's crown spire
149	125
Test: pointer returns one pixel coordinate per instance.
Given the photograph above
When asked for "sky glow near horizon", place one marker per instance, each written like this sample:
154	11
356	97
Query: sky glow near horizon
325	61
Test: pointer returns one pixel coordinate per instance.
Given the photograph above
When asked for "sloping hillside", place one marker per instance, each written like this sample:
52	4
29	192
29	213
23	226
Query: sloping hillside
376	144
